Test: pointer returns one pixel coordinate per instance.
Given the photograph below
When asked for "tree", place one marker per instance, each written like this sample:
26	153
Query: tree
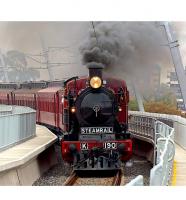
16	59
17	69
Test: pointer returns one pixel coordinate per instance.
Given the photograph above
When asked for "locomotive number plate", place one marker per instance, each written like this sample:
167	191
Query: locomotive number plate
84	146
110	145
97	130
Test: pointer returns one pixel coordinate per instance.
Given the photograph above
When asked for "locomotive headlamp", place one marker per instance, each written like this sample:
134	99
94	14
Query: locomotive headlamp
73	109
95	82
120	109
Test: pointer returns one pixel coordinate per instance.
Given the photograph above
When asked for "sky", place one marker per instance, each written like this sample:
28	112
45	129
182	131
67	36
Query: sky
26	37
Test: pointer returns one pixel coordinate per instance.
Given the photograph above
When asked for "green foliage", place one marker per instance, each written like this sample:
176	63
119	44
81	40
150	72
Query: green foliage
161	107
133	105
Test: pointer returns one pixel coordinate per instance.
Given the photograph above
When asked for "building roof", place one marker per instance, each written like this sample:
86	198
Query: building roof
50	90
26	91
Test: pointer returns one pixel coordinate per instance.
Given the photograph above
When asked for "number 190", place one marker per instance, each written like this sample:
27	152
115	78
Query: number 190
110	145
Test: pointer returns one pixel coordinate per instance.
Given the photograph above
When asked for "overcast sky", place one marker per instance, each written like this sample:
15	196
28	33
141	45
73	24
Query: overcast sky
25	37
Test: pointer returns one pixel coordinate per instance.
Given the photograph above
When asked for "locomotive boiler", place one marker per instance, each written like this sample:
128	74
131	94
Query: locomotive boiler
95	121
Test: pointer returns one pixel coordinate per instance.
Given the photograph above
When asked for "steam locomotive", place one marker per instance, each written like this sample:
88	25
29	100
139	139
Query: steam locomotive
91	113
95	119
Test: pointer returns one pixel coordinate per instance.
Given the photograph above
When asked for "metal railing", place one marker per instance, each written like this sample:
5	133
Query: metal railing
165	150
162	137
142	127
138	181
17	124
177	122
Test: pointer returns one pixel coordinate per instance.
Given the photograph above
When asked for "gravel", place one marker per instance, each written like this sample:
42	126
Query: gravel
140	166
58	174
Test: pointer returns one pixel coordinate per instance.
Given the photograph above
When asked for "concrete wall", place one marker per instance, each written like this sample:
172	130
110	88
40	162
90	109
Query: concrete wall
26	162
29	172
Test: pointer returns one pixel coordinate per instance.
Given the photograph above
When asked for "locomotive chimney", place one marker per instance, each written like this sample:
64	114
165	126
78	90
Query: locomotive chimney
95	74
95	69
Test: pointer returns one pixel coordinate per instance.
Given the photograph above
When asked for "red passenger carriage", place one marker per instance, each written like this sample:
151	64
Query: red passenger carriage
49	101
6	96
25	97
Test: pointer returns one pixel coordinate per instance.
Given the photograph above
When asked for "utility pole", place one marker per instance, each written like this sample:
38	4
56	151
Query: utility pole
46	56
177	60
138	98
4	67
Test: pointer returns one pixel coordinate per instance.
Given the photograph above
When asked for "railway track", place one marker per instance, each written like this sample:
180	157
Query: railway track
74	179
71	179
60	173
117	178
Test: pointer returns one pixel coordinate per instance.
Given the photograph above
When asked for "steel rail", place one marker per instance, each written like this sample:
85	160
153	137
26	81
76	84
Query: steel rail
117	178
71	179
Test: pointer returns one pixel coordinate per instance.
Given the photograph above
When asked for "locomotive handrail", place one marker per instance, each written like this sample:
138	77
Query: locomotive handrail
163	141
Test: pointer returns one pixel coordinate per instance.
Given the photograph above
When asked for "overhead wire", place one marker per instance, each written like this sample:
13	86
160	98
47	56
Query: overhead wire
98	43
95	32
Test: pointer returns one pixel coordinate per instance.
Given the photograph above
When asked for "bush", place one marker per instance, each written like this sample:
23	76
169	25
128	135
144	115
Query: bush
161	107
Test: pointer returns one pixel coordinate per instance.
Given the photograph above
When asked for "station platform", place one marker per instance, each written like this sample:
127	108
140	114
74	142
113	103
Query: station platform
179	167
25	162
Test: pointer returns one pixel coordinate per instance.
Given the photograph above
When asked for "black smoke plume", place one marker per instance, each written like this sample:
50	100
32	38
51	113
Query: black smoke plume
125	46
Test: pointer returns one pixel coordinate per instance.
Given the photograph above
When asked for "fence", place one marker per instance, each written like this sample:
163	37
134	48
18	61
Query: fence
162	136
138	181
162	171
17	124
142	127
177	122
